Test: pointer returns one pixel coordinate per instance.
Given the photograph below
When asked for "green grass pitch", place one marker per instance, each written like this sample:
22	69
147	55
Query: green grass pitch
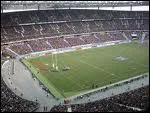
96	66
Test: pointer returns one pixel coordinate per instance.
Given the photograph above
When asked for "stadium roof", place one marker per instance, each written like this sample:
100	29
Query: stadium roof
107	3
44	5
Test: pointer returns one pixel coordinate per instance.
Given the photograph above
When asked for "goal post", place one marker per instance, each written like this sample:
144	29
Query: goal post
53	65
54	62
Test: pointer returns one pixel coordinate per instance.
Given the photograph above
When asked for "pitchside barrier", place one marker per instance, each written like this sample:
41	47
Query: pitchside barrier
107	87
44	81
74	48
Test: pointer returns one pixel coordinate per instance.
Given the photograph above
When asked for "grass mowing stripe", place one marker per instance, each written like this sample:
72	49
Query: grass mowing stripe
78	76
97	67
78	83
104	65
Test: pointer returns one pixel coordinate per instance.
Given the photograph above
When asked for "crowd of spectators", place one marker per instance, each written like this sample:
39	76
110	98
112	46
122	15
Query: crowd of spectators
44	44
58	42
37	45
20	48
66	15
104	21
10	102
48	30
132	101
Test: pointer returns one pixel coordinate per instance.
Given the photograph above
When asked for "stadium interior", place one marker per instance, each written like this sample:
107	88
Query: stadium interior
43	27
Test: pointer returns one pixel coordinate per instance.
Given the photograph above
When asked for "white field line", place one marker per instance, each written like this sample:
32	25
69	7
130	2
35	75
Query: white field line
78	76
132	60
73	81
109	85
96	67
112	73
143	65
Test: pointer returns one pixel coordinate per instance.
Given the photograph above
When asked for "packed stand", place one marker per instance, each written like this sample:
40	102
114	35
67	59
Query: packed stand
67	15
44	44
126	102
10	102
101	21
